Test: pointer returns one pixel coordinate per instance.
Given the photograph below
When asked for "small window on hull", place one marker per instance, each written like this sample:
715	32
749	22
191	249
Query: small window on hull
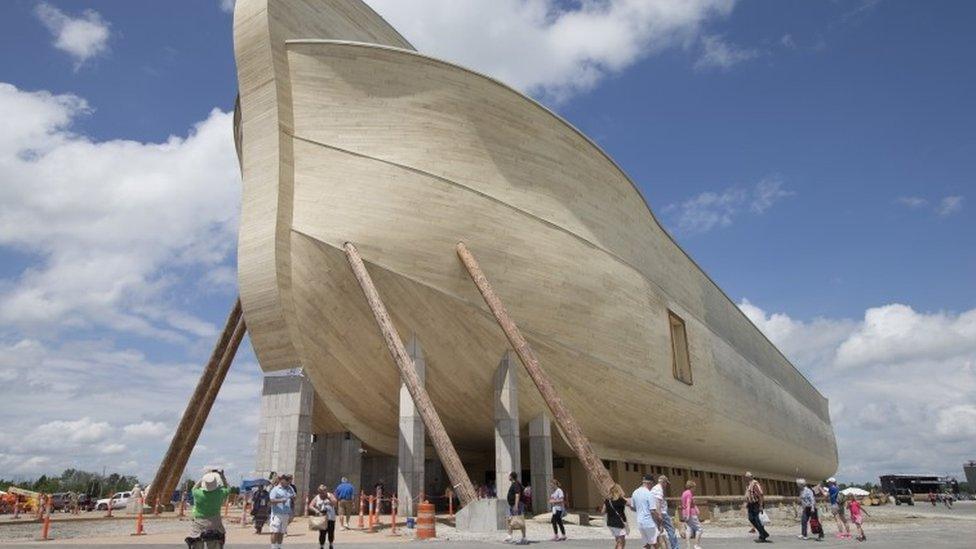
679	349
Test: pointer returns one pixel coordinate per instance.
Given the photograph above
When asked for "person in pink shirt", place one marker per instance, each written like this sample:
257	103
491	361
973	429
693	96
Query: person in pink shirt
857	517
689	515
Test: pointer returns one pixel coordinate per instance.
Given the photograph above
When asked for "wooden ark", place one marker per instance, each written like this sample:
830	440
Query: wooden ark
346	134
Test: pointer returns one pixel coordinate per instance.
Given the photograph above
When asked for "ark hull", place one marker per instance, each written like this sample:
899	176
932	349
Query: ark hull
405	155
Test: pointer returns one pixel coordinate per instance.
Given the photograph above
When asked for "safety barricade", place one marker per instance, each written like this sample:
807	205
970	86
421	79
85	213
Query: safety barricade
425	521
46	524
139	518
362	510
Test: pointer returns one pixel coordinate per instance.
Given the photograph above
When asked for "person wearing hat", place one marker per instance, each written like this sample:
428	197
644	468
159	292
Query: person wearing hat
755	501
282	506
209	494
837	509
649	522
660	493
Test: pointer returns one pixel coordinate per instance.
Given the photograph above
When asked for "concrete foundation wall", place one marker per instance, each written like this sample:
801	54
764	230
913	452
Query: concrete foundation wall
285	429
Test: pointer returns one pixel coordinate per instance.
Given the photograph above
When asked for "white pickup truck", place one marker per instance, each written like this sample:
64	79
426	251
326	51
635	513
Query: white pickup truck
119	501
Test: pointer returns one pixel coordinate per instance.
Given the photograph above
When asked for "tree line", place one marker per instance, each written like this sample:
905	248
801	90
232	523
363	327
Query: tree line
74	480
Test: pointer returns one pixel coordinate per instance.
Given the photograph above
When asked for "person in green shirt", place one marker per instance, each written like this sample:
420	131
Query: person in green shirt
209	494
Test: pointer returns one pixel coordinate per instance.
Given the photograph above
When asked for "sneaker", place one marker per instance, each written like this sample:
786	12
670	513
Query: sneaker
801	536
554	538
508	539
522	541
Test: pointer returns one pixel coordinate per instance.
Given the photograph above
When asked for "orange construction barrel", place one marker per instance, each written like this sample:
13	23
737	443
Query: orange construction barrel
425	521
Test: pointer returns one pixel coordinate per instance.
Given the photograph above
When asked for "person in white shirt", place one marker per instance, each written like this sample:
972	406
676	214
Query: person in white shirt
660	492
558	501
649	520
324	505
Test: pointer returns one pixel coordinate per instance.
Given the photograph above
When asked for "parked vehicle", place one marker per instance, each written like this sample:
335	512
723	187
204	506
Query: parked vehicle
903	495
61	501
85	502
119	501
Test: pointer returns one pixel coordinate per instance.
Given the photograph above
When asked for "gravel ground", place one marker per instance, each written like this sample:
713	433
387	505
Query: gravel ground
888	526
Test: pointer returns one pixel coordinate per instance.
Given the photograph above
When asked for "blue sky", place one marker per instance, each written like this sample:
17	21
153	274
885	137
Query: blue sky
816	159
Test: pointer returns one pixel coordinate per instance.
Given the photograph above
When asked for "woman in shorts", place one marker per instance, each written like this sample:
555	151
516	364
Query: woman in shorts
615	507
689	514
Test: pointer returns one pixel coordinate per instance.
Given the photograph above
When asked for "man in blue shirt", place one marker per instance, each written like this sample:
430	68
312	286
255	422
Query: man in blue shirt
837	509
648	517
282	499
344	492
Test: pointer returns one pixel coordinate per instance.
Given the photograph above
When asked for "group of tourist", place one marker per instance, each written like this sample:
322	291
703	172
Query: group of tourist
648	501
840	509
326	508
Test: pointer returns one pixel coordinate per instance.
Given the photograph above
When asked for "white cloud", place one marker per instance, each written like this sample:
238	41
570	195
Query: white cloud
901	384
112	448
787	41
945	207
81	431
957	422
227	5
145	429
913	201
109	221
549	48
127	401
722	55
710	210
949	205
83	38
897	334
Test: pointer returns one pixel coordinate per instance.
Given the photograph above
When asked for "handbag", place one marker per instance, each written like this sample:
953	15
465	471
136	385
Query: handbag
517	522
317	522
764	517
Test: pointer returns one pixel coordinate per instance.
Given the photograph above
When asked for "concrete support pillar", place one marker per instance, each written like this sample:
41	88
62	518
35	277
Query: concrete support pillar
285	429
411	455
540	460
508	453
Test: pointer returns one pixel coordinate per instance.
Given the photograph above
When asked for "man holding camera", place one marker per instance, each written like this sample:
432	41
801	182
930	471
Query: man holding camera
209	495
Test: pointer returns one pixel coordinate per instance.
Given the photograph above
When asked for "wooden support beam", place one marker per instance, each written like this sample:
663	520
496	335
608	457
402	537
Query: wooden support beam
408	373
567	423
198	408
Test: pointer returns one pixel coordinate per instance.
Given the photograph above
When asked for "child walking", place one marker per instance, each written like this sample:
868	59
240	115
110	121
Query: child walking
854	508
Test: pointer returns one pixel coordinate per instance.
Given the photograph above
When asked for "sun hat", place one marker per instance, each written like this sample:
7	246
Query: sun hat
801	482
831	480
210	481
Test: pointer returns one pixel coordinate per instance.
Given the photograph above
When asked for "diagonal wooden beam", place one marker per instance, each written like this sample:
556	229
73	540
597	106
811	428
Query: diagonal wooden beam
567	423
408	373
198	408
